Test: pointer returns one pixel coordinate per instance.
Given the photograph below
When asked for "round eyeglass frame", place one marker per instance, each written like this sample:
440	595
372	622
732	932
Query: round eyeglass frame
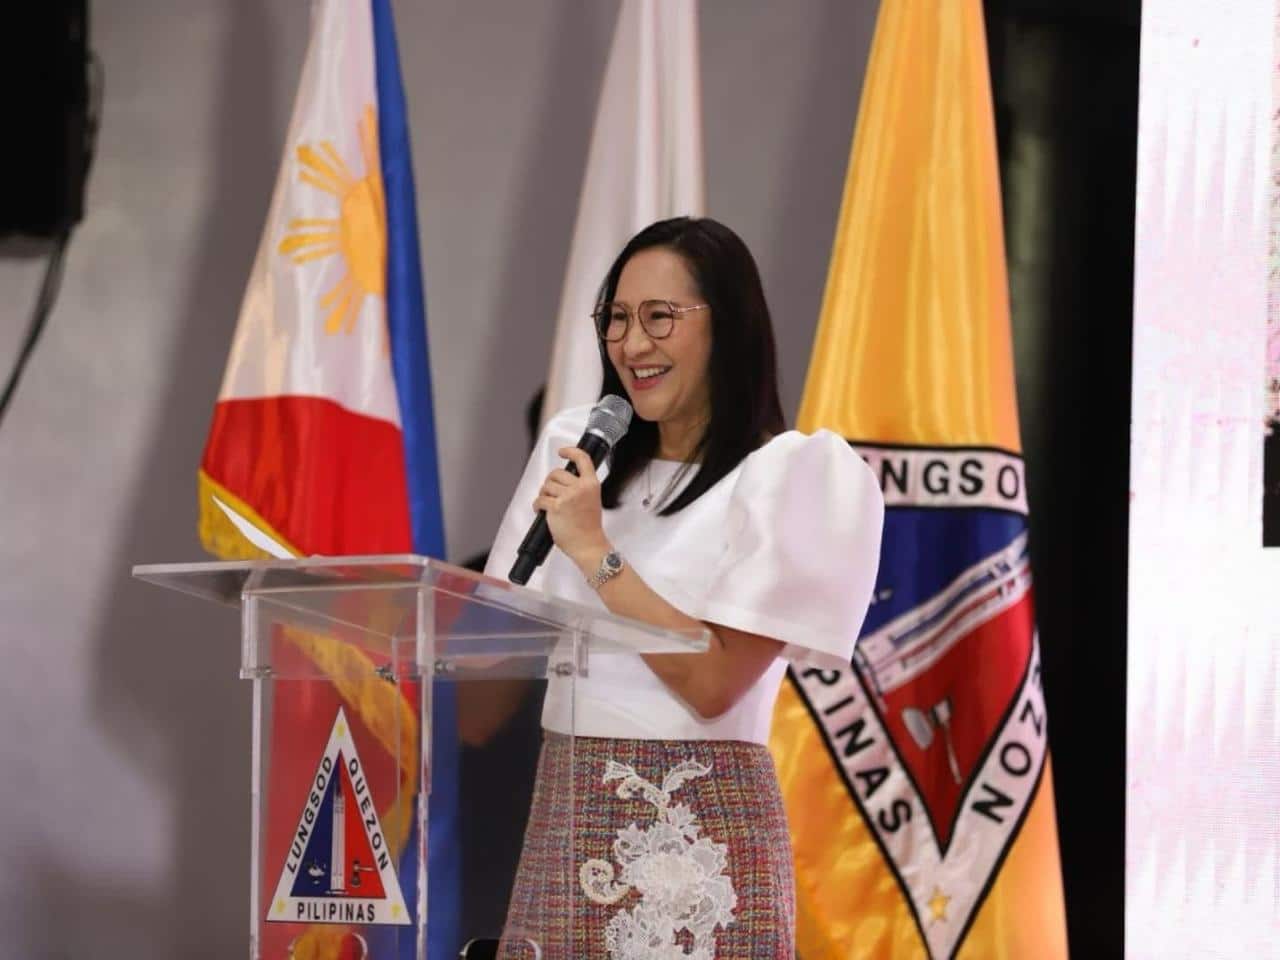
639	312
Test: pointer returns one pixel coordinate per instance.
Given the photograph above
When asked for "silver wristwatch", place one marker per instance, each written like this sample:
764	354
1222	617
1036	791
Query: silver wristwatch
610	566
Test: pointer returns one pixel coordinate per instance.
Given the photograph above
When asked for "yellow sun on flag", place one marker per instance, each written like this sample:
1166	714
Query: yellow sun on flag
358	234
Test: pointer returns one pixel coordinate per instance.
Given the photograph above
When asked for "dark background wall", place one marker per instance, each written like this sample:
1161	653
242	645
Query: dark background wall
1065	85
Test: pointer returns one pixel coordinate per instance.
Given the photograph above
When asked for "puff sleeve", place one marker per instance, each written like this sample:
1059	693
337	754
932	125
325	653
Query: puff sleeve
802	547
562	430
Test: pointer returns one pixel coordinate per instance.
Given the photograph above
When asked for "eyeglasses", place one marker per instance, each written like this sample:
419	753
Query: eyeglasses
657	319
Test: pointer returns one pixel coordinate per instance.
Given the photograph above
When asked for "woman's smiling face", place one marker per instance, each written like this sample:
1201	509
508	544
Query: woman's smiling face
666	380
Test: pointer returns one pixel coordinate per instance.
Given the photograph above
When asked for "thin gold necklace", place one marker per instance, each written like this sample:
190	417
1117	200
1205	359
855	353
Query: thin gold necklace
671	484
648	485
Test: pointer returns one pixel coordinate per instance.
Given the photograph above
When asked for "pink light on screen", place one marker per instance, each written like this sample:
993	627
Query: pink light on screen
1203	774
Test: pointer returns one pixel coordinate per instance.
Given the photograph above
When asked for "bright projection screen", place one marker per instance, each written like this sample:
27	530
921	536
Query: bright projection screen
1203	774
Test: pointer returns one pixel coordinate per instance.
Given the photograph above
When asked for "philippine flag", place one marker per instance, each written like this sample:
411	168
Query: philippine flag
323	437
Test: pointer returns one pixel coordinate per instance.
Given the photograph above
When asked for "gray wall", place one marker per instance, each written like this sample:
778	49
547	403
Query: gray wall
123	728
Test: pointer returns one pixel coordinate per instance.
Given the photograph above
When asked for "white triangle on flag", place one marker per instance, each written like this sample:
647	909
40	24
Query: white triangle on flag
339	867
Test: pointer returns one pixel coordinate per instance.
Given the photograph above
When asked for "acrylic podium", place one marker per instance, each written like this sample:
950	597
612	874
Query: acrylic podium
344	654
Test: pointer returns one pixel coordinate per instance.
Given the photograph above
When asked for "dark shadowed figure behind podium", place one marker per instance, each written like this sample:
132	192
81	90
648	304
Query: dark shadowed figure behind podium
499	723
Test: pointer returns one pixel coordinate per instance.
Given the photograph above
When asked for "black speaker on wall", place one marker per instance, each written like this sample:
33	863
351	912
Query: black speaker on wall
44	152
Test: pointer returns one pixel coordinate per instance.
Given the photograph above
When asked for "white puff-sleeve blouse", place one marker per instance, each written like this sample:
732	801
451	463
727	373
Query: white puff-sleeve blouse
786	546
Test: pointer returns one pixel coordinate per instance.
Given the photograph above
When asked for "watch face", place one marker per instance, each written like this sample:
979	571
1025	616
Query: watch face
613	561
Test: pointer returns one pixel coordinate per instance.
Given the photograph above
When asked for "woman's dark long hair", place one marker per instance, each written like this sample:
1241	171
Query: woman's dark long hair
743	370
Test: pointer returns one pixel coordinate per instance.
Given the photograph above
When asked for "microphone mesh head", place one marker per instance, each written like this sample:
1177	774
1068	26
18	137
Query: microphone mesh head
610	418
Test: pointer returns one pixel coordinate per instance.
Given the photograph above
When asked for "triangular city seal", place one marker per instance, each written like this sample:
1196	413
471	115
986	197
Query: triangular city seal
339	868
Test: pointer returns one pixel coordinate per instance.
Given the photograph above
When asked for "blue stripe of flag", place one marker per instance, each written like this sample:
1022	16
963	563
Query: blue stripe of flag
410	360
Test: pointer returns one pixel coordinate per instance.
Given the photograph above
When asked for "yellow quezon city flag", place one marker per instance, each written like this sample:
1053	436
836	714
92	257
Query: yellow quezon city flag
918	782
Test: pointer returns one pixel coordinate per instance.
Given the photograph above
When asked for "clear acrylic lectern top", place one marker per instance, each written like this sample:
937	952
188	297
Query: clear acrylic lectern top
428	617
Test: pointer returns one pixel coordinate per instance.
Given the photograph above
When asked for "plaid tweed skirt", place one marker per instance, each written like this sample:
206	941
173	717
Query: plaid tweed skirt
669	849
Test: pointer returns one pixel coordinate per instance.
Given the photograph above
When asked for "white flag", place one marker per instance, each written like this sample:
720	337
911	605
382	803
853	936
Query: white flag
645	164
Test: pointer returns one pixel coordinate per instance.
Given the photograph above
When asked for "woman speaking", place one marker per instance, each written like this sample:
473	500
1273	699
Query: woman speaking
708	513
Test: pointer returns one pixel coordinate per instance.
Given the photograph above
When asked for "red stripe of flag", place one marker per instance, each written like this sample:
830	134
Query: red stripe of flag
304	463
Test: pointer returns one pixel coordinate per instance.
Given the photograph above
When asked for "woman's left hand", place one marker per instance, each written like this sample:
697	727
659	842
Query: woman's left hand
572	505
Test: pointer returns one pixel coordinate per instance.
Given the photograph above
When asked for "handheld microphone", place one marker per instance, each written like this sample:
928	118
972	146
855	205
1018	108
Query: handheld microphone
608	421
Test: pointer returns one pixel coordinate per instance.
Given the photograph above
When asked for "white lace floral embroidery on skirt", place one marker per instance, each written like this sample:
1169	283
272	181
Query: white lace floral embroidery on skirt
669	850
679	876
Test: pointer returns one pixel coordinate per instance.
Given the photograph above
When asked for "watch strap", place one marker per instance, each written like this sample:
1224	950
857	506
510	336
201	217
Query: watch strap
611	564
